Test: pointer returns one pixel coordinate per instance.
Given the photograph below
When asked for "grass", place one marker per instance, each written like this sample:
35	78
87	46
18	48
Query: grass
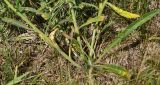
69	48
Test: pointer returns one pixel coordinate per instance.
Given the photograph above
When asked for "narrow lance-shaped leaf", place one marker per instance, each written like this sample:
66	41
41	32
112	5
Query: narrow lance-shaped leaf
45	15
122	12
83	4
114	69
127	31
92	20
25	36
17	79
132	27
14	22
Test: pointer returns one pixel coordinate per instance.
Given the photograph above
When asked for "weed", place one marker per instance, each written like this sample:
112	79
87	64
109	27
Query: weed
67	32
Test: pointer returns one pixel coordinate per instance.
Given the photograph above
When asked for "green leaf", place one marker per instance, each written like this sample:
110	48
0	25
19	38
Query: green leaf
14	22
30	9
133	26
25	36
2	10
83	4
17	79
45	15
122	12
158	81
151	82
1	27
115	69
71	1
92	20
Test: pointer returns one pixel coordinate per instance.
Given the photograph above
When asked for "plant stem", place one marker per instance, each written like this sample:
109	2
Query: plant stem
41	34
92	43
95	30
90	76
76	28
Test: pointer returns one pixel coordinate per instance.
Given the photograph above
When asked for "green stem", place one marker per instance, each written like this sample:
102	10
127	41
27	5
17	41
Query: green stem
90	76
74	20
41	34
102	8
76	28
95	30
92	43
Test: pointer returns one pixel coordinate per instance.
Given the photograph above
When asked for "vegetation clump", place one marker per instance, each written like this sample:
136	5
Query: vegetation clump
72	42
